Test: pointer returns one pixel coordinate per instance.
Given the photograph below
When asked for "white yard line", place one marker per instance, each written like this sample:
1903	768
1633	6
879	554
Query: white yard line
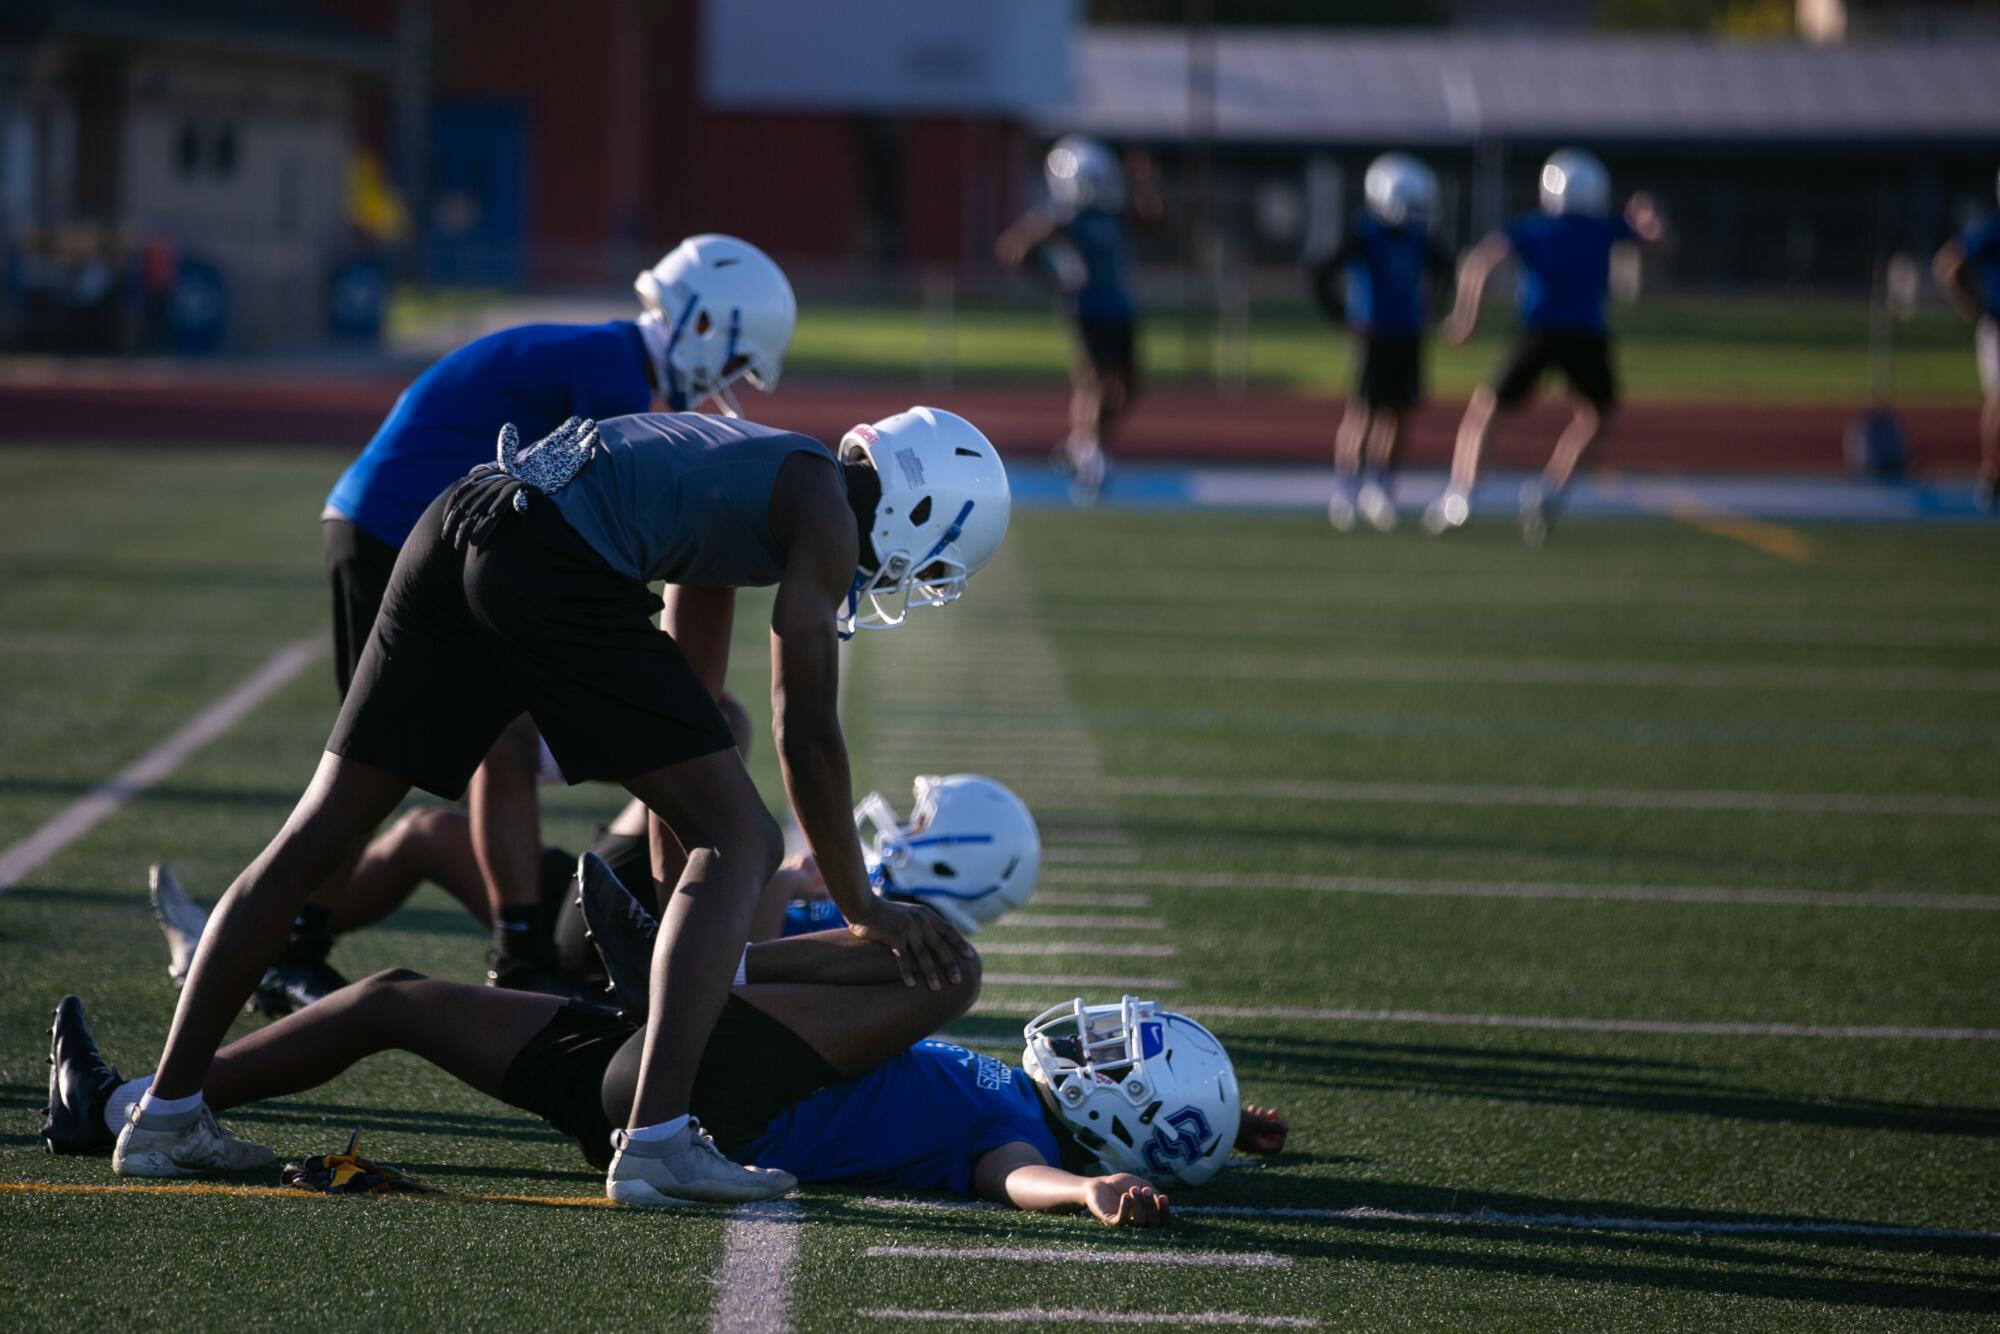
1488	1218
1089	856
1057	898
1079	922
1464	794
1085	981
84	814
1086	1255
1565	1024
1474	889
753	1288
1080	1316
1081	949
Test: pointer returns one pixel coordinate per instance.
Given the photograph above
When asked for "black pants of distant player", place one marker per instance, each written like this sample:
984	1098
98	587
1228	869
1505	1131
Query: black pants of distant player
358	566
1389	371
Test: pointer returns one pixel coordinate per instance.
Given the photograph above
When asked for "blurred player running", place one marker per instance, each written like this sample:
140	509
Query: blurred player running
1080	241
818	1069
1967	269
716	310
524	589
1564	254
1374	284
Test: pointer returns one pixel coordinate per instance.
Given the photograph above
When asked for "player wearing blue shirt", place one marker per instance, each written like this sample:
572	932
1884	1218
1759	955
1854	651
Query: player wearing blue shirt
1967	269
1080	243
821	1066
1564	258
1375	284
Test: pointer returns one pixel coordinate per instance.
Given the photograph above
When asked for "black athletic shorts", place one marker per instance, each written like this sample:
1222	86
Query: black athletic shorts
533	622
1582	355
1110	346
1390	370
581	1072
358	566
630	858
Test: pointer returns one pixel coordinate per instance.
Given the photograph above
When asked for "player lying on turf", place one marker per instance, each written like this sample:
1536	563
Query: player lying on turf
524	589
1564	255
818	1067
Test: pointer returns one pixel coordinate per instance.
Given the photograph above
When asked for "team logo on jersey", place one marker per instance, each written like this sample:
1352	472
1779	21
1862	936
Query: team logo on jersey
991	1074
1192	1134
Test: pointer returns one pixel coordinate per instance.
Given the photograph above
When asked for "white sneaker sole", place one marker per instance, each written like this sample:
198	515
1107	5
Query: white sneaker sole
643	1195
150	1165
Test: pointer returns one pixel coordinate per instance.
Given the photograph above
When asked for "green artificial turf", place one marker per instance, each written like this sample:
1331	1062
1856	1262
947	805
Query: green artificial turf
1102	665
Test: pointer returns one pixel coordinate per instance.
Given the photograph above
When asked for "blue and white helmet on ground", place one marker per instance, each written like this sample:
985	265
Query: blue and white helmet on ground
1574	181
1083	173
1400	190
1146	1091
721	311
943	512
970	850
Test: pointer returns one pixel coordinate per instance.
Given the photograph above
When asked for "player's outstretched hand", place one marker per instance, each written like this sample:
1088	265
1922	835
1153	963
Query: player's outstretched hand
1123	1200
1261	1130
923	942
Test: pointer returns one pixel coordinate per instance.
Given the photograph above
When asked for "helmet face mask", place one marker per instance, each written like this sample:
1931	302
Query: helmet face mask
725	313
942	514
1575	182
1400	190
970	850
1145	1091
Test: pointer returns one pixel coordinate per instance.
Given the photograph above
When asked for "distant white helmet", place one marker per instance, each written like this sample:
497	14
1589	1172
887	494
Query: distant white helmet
724	312
970	850
942	514
1574	181
1400	189
1146	1091
1083	173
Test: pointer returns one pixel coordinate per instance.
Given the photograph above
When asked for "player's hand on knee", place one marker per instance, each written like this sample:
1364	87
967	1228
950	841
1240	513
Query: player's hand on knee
923	942
1123	1200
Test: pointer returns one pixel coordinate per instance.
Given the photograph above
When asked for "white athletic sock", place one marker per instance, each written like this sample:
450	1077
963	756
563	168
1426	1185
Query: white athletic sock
654	1134
154	1105
122	1101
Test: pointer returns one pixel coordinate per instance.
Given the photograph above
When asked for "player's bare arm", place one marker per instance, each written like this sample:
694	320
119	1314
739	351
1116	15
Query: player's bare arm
1473	271
1028	231
809	516
1949	271
1016	1174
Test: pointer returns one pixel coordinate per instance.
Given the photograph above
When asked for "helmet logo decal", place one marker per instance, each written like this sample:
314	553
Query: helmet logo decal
913	467
1192	1137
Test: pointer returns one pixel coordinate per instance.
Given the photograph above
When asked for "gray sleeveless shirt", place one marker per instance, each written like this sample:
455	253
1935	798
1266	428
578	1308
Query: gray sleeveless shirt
683	497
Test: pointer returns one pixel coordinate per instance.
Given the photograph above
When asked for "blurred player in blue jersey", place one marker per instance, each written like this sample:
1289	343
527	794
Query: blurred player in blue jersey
1080	242
1374	284
1564	256
820	1067
1967	269
715	310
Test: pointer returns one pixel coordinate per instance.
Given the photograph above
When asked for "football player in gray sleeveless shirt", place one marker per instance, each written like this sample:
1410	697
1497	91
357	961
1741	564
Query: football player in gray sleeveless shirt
524	589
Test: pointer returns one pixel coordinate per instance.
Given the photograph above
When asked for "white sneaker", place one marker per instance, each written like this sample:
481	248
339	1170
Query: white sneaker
183	1145
1376	507
1340	509
1447	514
686	1168
181	919
1093	467
1538	513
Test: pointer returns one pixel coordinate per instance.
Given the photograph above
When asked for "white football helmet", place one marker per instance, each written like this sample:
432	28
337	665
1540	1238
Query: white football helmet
942	514
723	312
1083	173
1146	1091
971	850
1574	181
1400	189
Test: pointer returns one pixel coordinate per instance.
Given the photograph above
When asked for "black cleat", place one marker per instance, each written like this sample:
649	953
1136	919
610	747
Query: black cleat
622	930
80	1083
520	966
298	978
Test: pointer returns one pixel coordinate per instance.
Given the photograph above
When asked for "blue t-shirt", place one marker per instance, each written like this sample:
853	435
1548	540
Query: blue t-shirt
805	916
1385	269
1565	268
449	420
1100	241
916	1122
1981	243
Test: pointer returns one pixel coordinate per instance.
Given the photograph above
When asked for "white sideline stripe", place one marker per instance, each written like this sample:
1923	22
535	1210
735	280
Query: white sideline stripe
1077	1315
84	814
1101	856
1086	1255
1080	950
1507	889
1464	794
1083	980
753	1288
1083	922
1056	898
1483	1217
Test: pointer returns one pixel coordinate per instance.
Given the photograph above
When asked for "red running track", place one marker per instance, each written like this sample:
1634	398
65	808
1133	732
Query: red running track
225	405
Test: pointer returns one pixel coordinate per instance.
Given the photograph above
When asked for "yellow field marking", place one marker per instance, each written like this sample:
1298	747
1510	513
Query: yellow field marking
216	1188
1773	539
